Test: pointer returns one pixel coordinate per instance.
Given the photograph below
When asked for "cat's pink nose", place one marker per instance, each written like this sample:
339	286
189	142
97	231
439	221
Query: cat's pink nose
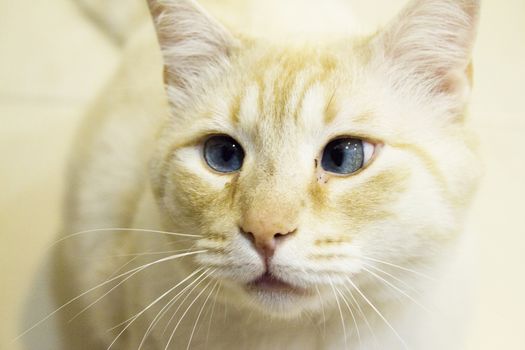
265	234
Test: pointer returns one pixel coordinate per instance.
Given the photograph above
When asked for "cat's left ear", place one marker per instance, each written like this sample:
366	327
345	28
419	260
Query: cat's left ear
429	45
194	47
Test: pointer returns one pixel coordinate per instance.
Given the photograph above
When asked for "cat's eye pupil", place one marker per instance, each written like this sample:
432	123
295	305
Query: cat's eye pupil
343	156
223	154
337	156
227	153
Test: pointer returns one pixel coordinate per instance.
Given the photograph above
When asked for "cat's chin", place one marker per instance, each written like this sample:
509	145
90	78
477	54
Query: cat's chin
277	298
278	304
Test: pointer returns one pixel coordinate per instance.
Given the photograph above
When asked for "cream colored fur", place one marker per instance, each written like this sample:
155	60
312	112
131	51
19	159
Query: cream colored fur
138	164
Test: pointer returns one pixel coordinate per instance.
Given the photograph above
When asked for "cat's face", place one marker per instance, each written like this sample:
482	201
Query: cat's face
306	169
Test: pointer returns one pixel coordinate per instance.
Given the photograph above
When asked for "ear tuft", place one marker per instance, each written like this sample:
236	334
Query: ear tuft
193	45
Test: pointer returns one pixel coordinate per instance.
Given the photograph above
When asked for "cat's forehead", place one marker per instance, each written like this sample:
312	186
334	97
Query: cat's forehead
285	93
278	99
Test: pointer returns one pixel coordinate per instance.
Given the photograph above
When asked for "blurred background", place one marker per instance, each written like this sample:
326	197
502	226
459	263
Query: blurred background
55	56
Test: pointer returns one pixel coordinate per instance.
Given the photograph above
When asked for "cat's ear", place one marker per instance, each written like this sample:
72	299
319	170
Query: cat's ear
193	44
430	44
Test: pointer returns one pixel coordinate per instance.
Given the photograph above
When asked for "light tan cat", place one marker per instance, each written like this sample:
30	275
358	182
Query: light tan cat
283	196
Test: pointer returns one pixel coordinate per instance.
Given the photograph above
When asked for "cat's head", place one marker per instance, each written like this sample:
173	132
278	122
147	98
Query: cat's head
308	169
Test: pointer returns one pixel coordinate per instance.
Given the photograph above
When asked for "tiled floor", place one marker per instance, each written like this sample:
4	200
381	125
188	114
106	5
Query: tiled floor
53	61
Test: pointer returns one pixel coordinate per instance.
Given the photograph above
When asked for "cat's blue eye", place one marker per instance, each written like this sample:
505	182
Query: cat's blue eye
344	155
223	154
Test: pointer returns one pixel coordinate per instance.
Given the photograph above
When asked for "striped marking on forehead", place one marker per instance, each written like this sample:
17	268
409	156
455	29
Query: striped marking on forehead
286	88
248	106
314	106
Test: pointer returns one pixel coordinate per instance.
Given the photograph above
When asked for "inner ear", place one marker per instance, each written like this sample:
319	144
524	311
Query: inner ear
456	83
194	46
431	42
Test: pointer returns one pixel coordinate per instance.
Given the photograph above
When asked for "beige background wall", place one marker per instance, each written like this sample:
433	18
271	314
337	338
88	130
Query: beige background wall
53	61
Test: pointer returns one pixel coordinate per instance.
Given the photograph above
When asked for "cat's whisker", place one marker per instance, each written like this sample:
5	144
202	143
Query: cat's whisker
379	314
123	266
141	268
177	297
398	290
200	313
360	310
399	267
135	258
137	315
340	313
351	313
322	310
321	302
185	312
168	305
101	285
312	320
134	316
122	229
397	279
211	315
136	255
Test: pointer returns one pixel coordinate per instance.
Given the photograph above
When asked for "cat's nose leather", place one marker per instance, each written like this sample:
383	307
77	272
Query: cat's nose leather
265	234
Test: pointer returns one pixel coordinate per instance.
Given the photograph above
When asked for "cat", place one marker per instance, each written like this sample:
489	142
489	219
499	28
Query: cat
305	195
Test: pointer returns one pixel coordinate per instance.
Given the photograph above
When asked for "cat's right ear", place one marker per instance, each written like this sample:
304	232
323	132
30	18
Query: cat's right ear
194	46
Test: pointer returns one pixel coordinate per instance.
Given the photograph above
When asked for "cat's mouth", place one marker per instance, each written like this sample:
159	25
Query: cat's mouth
267	282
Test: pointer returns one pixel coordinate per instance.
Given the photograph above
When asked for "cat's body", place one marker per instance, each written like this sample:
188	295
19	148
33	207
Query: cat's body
404	208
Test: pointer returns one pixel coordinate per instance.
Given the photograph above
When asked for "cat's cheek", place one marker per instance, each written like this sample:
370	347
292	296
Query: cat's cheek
190	187
190	161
